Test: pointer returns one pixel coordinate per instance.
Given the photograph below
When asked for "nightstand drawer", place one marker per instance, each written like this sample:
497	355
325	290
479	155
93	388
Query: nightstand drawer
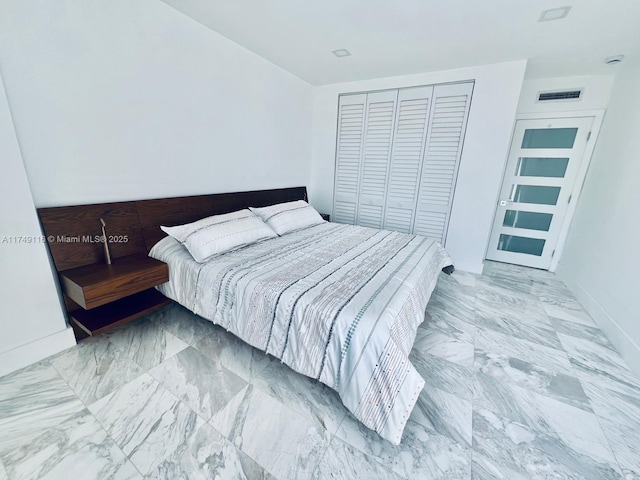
98	284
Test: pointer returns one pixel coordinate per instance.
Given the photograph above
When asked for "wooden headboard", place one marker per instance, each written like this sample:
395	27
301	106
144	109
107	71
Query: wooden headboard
72	231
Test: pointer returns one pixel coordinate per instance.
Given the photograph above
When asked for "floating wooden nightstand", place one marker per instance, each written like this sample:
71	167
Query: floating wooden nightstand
110	295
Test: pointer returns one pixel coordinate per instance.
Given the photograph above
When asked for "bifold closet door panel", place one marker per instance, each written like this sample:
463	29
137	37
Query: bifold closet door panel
445	136
405	164
351	119
376	153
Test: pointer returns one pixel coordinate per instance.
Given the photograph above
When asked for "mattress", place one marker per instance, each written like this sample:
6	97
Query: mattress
338	303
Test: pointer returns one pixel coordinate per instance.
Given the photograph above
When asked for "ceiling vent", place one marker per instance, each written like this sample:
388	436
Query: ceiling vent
559	95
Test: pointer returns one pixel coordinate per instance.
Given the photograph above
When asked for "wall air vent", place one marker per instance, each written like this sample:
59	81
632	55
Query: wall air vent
559	95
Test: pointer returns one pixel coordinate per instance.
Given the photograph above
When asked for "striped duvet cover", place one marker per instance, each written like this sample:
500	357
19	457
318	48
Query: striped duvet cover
337	303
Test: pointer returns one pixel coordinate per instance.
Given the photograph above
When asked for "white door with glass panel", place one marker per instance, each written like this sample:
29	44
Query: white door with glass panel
543	164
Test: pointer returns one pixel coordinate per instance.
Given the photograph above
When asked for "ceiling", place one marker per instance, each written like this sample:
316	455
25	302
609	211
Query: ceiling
395	37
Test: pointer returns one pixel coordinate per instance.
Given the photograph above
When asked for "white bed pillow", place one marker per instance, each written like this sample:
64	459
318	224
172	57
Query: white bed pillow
289	216
220	233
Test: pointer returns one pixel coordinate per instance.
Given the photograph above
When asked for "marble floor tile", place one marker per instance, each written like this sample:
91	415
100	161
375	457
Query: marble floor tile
448	289
577	316
534	367
481	469
207	455
443	375
498	294
624	439
446	336
422	453
146	341
459	285
465	279
562	387
615	401
513	451
32	400
285	443
509	282
560	298
438	319
551	286
496	395
448	348
593	360
302	394
76	448
630	474
146	421
586	332
184	324
490	342
539	277
617	380
543	276
232	353
345	462
576	432
605	379
455	301
445	413
95	368
531	326
199	381
492	268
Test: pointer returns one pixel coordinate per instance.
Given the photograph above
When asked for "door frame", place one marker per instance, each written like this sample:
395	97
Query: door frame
598	117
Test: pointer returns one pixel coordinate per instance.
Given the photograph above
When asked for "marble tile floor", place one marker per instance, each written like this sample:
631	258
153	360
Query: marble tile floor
520	384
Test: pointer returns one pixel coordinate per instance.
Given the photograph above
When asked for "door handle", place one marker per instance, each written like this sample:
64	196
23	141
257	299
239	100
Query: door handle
504	203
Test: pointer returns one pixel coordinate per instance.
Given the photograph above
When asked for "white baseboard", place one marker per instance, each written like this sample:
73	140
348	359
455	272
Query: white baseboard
471	267
626	346
35	351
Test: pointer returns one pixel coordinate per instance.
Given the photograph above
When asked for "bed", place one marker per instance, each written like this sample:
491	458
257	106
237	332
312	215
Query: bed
337	303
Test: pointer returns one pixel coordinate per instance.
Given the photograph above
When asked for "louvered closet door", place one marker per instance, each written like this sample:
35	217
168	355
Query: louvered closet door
406	157
376	152
351	116
447	123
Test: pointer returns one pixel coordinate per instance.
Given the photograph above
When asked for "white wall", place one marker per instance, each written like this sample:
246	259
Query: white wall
602	257
493	107
31	323
595	94
117	100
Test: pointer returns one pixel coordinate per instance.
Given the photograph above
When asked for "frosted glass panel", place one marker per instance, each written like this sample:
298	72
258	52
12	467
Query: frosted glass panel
549	137
513	243
536	194
528	220
542	167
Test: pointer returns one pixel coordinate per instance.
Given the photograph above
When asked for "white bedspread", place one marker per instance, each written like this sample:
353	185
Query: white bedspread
335	302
